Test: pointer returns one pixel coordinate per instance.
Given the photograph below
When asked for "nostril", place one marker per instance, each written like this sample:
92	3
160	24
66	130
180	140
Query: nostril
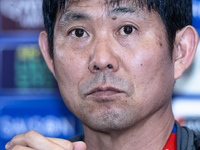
110	66
96	67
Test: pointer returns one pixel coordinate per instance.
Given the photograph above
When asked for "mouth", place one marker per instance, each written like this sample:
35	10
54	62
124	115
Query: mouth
104	92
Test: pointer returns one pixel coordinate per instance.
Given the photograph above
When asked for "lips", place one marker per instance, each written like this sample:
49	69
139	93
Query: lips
104	92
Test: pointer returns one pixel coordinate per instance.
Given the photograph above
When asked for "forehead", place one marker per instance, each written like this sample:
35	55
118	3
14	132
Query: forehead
108	3
66	4
109	6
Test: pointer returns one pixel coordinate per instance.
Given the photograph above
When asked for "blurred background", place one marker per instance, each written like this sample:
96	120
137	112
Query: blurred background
29	97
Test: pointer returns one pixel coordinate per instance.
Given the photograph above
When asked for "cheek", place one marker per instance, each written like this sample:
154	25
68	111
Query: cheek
151	81
151	69
66	69
153	58
70	61
69	71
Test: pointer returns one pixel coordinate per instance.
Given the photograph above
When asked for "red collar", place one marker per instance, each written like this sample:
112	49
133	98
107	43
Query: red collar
171	142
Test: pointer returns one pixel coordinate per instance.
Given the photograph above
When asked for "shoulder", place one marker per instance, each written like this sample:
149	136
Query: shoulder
197	141
187	139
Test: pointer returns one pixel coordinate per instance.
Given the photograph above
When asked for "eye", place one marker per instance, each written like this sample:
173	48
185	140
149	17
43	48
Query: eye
79	33
126	30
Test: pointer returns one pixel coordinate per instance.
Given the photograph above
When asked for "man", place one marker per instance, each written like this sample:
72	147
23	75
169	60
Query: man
116	63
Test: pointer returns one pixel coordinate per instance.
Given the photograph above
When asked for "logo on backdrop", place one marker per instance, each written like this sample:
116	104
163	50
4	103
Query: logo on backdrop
21	13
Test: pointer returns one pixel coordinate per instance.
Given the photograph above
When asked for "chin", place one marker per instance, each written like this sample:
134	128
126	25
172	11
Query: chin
108	121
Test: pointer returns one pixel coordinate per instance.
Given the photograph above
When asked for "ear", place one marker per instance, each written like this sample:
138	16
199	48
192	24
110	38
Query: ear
186	43
44	47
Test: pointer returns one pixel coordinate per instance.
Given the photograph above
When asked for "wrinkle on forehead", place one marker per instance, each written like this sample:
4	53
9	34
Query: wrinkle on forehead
114	3
107	3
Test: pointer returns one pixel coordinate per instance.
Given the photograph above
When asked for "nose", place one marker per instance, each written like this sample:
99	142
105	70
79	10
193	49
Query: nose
103	57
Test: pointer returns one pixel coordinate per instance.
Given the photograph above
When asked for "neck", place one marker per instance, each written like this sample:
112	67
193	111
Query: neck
149	133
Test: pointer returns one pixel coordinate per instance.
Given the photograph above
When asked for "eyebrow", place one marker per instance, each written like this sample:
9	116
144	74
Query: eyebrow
70	16
123	10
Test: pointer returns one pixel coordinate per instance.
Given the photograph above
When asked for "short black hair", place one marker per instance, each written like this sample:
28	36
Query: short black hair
175	15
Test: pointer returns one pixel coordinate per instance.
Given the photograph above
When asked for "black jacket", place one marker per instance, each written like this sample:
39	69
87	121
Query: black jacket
186	139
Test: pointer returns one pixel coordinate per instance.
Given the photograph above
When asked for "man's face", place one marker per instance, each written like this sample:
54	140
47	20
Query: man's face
112	64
